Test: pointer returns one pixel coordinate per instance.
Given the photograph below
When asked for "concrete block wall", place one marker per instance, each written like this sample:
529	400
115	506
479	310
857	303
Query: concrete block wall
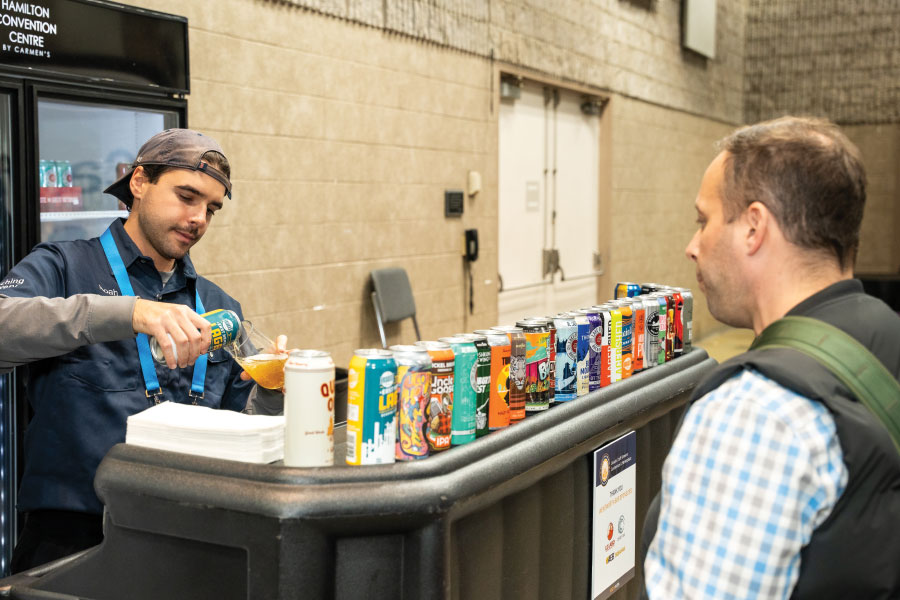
342	139
879	250
660	157
829	58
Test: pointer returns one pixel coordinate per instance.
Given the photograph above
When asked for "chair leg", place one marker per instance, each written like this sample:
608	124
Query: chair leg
378	319
416	325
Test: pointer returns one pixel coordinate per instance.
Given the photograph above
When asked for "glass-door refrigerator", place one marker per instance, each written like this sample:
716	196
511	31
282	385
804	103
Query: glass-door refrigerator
83	83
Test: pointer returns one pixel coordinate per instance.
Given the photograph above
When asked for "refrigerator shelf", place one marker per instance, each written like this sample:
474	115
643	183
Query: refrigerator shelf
47	217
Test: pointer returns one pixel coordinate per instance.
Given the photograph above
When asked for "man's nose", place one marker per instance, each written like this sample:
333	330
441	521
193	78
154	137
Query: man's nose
691	250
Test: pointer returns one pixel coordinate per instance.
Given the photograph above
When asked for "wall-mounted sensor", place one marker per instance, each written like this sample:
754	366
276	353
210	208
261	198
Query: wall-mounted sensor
474	183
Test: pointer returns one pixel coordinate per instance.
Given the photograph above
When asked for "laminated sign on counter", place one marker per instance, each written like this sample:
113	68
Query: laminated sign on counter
614	519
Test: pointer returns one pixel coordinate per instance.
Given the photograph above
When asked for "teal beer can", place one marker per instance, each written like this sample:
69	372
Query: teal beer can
465	375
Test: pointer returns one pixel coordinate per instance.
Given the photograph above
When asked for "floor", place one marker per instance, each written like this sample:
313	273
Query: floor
725	344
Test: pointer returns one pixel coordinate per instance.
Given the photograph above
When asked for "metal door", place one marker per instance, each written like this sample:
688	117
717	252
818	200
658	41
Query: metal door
548	223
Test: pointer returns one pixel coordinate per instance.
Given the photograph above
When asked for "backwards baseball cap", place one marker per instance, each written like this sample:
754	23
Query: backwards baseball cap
181	148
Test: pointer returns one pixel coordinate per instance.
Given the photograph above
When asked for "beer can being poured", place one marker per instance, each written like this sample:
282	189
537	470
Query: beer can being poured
225	325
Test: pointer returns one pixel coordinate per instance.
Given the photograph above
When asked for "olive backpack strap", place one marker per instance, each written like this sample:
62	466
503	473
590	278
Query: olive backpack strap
846	358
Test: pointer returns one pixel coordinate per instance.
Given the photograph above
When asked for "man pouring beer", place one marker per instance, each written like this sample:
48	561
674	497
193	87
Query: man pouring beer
80	314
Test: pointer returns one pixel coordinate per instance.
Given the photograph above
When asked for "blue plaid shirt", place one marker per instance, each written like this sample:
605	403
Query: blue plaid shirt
753	471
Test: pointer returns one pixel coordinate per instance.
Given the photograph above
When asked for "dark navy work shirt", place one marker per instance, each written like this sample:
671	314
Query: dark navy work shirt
81	400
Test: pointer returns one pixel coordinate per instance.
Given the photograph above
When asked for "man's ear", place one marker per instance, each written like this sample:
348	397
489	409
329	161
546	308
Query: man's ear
137	182
757	220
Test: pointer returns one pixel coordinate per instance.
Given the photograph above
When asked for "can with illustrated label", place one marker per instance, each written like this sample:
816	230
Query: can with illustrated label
566	358
309	409
615	342
603	311
464	397
651	336
517	379
627	337
640	327
537	367
371	407
595	351
678	347
482	381
582	359
688	318
498	386
439	412
663	325
224	325
670	324
413	392
551	354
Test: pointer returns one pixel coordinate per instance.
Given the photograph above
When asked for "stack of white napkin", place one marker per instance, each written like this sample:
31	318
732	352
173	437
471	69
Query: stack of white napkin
208	432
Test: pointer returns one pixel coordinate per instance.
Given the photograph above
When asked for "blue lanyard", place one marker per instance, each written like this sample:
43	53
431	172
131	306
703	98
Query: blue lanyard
143	343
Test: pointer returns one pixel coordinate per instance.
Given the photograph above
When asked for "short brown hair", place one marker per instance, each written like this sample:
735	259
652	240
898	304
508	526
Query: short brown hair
807	173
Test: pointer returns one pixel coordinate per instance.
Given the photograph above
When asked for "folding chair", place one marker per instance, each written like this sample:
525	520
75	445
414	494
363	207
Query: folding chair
392	299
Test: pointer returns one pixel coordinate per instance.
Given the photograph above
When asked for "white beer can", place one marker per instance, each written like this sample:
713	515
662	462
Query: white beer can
309	409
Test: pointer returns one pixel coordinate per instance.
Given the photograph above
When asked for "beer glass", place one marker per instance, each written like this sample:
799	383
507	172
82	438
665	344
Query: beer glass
257	355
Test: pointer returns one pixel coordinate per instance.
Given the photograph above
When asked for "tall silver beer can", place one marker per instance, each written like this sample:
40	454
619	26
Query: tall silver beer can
309	409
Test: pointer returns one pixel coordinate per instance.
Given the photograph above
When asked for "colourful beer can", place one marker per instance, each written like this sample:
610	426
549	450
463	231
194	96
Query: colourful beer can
517	377
663	325
309	409
413	394
537	367
371	407
498	404
566	358
640	327
482	382
603	311
627	337
582	360
615	342
439	412
670	325
651	338
687	318
595	351
621	290
224	328
551	353
650	288
464	378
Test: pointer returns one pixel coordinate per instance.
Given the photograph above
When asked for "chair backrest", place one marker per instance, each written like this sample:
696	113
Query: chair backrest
394	294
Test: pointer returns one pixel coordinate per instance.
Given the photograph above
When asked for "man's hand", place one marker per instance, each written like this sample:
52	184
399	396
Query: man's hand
182	334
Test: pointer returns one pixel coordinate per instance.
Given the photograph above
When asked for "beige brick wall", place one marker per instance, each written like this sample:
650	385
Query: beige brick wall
659	158
879	250
342	139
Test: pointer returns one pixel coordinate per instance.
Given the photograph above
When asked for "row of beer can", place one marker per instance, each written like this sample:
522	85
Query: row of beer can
410	401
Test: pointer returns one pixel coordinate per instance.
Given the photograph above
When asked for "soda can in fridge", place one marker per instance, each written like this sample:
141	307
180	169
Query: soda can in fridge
371	407
63	173
309	409
413	394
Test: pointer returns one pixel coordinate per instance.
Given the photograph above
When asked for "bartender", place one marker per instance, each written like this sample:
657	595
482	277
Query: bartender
78	313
